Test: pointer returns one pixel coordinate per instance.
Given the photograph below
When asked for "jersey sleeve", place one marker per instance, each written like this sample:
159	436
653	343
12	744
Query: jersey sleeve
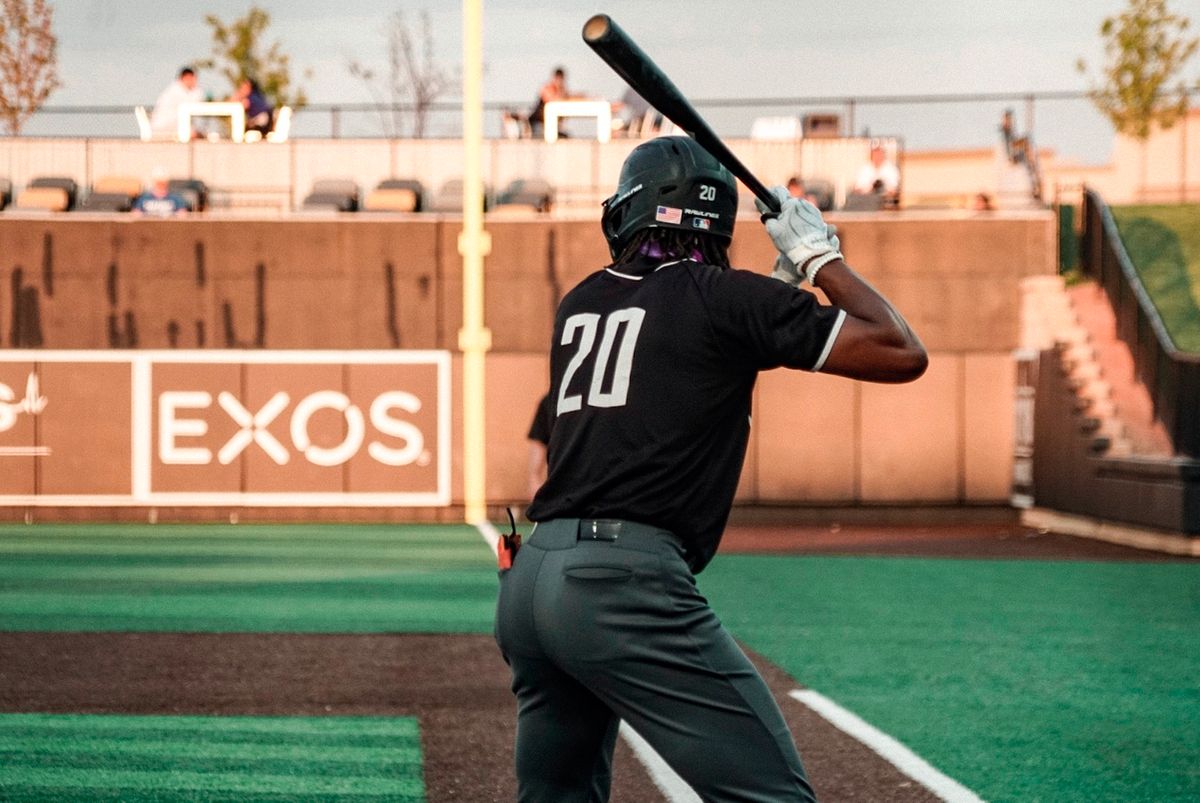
764	323
543	420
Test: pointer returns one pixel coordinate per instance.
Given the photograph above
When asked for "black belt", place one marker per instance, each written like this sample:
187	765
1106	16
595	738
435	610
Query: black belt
616	529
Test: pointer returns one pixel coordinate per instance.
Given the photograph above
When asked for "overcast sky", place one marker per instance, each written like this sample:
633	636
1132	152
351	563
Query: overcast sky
125	52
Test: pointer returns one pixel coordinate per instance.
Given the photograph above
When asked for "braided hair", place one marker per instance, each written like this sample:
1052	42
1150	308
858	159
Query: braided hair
675	244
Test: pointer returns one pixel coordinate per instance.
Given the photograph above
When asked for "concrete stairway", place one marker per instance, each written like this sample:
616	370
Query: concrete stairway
1112	405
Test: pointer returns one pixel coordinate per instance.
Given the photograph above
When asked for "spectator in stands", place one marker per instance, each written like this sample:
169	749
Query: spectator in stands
795	188
554	89
159	201
636	116
880	175
164	120
1016	147
982	202
258	108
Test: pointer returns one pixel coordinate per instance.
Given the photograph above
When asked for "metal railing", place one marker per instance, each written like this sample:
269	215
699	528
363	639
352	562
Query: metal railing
1172	377
930	121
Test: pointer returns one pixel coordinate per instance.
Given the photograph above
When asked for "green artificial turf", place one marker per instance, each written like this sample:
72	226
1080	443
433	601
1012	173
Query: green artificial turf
1164	244
138	758
246	578
1025	681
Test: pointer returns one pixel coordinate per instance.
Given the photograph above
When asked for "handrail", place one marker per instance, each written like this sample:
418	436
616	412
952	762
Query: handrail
1171	376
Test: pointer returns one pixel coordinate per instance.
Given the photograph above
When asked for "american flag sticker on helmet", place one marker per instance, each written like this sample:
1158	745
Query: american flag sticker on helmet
668	214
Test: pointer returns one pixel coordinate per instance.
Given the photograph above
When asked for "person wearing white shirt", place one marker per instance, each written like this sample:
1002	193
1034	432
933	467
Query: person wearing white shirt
879	175
164	120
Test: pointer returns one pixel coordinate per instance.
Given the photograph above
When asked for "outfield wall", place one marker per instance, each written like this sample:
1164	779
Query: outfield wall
394	283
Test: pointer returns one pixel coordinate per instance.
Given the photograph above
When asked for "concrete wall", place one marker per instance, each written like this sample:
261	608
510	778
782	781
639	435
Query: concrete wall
308	284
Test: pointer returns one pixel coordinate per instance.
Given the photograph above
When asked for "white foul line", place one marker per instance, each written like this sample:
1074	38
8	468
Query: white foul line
673	788
889	748
489	533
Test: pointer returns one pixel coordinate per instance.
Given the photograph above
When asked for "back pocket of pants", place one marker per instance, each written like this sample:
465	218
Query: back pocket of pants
611	574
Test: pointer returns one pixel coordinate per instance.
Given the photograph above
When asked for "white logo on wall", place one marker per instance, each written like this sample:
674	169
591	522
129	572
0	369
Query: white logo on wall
174	424
11	408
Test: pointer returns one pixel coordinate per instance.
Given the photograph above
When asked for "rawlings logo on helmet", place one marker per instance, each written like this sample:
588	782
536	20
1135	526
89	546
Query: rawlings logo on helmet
670	182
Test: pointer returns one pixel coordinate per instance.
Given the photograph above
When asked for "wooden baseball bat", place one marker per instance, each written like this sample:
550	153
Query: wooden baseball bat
641	73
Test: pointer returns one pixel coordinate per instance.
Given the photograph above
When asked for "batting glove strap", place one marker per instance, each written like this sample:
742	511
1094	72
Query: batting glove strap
810	270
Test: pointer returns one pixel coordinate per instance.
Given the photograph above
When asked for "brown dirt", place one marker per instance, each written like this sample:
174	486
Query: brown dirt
978	540
457	685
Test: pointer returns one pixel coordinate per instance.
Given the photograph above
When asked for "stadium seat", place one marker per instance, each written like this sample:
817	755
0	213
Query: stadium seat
863	202
341	193
118	185
396	195
282	126
533	192
145	132
192	190
391	200
448	198
329	202
106	202
822	190
64	183
44	199
5	192
404	184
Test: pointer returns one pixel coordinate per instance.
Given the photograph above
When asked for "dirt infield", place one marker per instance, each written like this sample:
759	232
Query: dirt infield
457	685
952	540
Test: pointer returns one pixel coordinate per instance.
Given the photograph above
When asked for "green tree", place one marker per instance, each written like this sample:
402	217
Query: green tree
238	53
28	60
1146	49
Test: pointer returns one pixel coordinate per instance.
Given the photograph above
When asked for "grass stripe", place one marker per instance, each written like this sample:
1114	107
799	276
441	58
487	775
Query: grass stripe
214	578
27	779
101	795
187	746
95	757
200	761
397	727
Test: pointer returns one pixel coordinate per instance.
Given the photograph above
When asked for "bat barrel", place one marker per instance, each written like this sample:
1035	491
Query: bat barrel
627	60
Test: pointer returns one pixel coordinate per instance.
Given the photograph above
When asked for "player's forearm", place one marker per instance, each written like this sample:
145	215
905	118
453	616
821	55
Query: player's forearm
884	345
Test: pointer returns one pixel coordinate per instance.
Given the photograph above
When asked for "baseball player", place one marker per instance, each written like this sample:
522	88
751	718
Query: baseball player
653	363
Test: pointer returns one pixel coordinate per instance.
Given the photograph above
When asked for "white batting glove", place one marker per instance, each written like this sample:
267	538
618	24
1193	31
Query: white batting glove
785	271
800	233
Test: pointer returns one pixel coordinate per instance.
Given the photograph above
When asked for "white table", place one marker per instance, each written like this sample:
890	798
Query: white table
600	109
231	109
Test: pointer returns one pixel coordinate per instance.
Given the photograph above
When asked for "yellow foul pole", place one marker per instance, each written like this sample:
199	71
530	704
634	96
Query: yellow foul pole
474	339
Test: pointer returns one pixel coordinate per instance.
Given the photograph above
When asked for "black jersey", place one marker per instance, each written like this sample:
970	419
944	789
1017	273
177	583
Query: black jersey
542	423
652	372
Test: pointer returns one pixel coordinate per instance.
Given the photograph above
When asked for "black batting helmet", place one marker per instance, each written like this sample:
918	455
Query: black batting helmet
670	182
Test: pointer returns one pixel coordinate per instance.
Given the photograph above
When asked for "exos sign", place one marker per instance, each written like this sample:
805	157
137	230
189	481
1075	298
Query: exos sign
387	411
292	429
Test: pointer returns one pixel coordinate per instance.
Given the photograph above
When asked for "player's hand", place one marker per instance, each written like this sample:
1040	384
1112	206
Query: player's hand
786	271
800	233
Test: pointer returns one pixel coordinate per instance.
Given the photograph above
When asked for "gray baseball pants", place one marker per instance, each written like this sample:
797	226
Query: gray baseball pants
601	620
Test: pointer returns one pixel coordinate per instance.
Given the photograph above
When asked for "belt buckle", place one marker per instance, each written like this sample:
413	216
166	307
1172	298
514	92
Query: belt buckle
599	530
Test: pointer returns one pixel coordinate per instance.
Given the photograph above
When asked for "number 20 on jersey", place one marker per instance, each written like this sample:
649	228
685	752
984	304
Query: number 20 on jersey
619	338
